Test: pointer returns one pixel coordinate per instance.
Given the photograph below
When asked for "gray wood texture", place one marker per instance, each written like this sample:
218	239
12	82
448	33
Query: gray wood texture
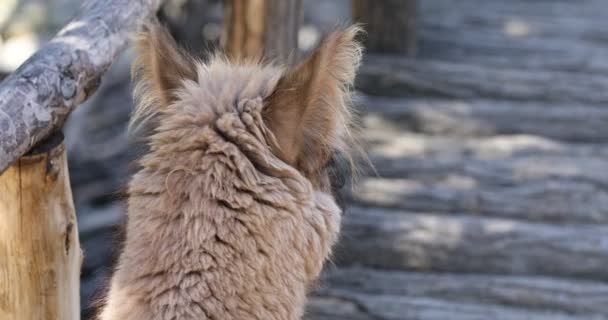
570	121
399	77
397	239
390	25
363	293
37	98
564	295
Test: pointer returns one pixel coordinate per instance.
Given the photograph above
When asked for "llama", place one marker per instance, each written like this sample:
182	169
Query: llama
231	214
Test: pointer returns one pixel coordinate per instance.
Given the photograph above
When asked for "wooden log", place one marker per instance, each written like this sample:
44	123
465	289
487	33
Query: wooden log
390	25
510	176
332	308
39	246
402	240
533	292
345	305
477	189
37	98
505	173
390	139
401	77
262	28
486	117
528	37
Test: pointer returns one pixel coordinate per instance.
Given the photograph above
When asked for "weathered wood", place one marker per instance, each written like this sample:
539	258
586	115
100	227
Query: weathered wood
330	308
390	25
543	293
36	99
386	139
514	176
481	189
436	78
345	305
262	28
484	117
516	34
39	246
532	166
412	241
365	294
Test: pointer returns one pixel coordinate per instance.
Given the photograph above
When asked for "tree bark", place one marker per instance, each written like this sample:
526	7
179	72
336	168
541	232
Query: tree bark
390	25
38	97
39	246
262	28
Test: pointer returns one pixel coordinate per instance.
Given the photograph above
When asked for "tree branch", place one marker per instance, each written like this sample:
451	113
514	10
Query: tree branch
37	98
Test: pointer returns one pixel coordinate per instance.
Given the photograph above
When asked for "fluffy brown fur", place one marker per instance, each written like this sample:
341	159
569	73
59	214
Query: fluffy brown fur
231	215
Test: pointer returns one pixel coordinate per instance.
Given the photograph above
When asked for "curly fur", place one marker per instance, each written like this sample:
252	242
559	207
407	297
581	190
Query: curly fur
231	215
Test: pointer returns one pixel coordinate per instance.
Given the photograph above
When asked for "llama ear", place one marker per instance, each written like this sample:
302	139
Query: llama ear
308	111
160	67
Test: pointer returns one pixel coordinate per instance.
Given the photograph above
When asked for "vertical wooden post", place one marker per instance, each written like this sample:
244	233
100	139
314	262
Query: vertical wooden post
40	255
390	25
268	28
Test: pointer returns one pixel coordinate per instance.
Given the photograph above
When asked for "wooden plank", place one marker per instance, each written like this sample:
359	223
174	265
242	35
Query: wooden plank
396	239
385	139
488	189
517	34
567	121
399	77
390	25
525	292
351	305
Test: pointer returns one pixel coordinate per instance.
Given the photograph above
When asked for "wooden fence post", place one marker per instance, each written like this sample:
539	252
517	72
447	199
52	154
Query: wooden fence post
269	28
40	255
390	25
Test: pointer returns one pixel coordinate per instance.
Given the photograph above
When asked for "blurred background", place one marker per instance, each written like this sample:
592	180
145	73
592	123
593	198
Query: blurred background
486	121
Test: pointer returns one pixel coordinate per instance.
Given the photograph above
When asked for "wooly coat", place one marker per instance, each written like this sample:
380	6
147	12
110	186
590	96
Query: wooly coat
231	214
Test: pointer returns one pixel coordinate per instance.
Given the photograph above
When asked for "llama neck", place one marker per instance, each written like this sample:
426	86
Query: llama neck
215	238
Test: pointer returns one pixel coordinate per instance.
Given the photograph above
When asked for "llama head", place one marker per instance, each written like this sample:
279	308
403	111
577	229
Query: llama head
301	114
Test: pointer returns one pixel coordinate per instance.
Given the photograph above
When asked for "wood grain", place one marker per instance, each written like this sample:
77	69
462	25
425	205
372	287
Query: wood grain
39	246
262	28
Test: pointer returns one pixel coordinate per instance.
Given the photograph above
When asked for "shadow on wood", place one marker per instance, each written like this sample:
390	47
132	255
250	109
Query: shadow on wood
390	25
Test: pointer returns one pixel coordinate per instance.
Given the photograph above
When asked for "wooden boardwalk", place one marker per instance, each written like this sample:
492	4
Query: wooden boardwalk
491	147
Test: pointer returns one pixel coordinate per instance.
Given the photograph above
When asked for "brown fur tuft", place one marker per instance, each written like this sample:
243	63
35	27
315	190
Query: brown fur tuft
314	99
158	70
